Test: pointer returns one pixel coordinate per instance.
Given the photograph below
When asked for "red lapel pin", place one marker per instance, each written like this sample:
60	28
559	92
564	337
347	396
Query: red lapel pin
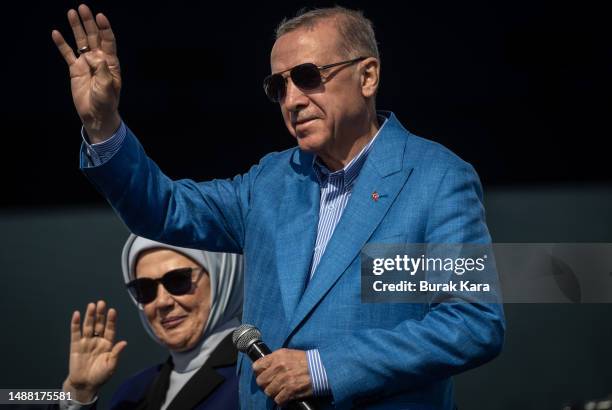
375	196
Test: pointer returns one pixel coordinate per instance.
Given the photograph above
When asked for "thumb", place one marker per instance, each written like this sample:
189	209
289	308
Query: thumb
99	67
117	349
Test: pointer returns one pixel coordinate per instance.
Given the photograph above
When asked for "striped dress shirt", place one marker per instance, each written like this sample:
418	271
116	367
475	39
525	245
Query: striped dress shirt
336	188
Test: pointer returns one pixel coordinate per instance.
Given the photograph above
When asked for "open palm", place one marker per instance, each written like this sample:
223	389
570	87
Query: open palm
93	353
95	75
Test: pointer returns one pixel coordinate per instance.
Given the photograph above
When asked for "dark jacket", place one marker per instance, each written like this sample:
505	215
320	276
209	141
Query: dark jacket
213	387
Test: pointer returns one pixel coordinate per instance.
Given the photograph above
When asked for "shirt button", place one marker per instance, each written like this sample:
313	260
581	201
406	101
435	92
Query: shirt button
316	249
331	207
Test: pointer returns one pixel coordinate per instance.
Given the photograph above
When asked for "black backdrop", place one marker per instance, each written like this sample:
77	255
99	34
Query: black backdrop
521	89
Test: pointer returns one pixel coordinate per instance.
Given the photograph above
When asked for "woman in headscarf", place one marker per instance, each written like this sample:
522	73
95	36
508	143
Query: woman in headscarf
189	301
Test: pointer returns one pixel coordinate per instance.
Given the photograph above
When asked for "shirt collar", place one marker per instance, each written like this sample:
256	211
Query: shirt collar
351	171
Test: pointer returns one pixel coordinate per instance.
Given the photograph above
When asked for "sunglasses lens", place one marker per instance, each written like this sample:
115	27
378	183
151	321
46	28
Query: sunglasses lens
178	282
144	290
274	86
306	76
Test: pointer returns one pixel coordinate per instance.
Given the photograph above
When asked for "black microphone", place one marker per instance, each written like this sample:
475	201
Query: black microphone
247	339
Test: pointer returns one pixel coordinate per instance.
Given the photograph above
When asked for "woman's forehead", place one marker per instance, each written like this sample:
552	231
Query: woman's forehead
157	261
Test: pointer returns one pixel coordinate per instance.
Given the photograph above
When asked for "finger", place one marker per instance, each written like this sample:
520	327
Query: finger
273	388
266	378
75	327
100	67
262	364
107	37
88	323
80	37
63	47
117	349
283	397
100	321
111	325
262	382
91	28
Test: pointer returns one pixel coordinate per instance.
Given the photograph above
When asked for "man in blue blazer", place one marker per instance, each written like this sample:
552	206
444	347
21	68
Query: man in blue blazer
302	216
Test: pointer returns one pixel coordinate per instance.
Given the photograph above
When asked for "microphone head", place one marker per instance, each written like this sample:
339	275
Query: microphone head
244	336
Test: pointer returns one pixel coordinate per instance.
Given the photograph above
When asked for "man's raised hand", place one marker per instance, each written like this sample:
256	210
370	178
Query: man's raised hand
95	77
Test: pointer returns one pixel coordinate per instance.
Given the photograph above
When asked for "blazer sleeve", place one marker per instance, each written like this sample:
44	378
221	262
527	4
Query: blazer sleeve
450	338
208	215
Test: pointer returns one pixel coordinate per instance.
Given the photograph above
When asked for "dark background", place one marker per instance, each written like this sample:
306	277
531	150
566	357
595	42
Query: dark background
519	89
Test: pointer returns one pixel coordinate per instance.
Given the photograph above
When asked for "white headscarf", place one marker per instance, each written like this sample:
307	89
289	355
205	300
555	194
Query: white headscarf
226	293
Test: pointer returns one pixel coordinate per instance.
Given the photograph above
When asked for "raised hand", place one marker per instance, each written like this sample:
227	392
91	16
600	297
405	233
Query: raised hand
95	76
93	353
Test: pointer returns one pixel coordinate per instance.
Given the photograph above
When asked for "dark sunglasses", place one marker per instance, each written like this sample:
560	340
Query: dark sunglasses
305	76
177	282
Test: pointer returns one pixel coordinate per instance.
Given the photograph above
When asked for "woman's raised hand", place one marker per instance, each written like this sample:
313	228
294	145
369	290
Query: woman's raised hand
93	352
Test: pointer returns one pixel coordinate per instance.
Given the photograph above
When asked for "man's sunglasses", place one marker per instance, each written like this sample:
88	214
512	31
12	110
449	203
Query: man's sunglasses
305	76
177	282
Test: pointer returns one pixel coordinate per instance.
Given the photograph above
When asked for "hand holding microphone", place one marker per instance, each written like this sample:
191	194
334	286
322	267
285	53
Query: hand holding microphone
283	375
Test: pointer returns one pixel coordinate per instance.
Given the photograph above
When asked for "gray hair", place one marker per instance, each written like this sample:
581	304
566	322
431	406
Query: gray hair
356	31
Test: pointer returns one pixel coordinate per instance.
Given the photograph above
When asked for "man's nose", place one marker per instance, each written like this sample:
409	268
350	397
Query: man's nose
295	99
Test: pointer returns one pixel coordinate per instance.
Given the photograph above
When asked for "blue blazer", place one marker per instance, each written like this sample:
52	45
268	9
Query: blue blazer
378	355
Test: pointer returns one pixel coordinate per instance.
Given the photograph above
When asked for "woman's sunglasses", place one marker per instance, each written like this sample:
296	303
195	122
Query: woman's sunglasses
305	76
177	282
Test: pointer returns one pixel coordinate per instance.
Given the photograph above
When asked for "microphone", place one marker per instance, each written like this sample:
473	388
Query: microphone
247	339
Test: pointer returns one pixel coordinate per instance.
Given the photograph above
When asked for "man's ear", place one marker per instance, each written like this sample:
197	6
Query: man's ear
370	76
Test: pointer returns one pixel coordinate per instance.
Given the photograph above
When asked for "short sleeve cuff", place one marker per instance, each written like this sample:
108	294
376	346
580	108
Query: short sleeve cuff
318	376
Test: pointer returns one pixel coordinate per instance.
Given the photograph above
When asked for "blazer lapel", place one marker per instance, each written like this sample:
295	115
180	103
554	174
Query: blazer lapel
156	394
296	229
206	380
382	177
